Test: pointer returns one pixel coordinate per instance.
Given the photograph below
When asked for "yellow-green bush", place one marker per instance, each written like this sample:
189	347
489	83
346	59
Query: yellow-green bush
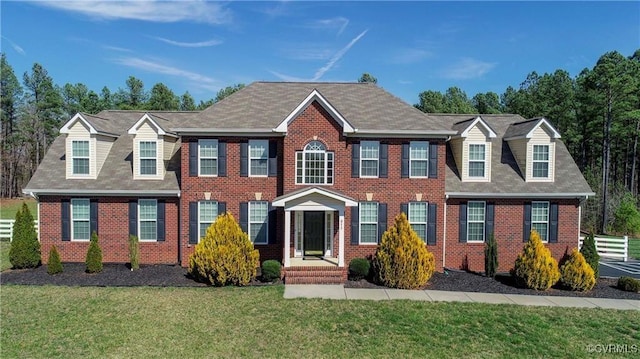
535	268
402	259
576	273
225	255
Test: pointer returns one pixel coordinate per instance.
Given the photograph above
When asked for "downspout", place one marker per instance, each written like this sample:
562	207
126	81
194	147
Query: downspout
580	201
444	239
179	230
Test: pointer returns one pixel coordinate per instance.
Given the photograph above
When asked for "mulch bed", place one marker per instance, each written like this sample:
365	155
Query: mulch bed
119	275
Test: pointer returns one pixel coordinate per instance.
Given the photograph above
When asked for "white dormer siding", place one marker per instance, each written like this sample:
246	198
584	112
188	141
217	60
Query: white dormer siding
146	134
476	138
79	132
523	151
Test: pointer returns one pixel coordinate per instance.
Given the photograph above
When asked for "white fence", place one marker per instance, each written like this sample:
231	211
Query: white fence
616	248
6	228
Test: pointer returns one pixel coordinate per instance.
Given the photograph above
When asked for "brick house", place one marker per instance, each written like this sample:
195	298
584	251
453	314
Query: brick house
314	173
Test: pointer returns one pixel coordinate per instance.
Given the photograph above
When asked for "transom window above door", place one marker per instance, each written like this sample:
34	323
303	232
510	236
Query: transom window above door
314	165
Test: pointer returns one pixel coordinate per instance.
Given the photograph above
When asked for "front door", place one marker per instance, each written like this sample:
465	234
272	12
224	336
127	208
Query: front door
313	233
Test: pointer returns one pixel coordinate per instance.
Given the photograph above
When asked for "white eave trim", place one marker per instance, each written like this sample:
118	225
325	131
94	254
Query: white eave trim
315	96
517	195
134	129
481	122
234	132
541	121
97	192
92	130
282	201
402	133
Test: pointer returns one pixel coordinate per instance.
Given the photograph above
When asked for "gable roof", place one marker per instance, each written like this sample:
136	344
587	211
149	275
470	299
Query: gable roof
463	127
315	96
526	128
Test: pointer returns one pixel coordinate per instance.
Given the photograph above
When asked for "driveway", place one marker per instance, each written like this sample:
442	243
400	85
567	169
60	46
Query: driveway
611	268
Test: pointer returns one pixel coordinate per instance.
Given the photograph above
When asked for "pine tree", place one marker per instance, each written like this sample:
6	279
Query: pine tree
491	257
590	253
25	248
94	255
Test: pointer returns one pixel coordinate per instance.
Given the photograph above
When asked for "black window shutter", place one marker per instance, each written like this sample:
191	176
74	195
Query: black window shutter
553	223
93	215
222	159
244	216
273	158
66	219
222	208
193	158
355	160
244	159
462	223
382	220
431	223
526	223
160	220
355	225
404	208
133	217
405	161
433	160
384	160
488	220
273	238
194	231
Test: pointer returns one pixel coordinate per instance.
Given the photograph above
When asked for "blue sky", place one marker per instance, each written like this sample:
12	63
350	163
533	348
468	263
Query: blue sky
409	46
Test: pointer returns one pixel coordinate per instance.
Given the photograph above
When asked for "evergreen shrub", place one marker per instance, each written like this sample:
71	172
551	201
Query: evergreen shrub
535	268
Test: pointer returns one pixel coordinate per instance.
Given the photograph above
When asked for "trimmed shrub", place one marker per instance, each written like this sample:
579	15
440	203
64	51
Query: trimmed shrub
491	257
629	284
576	273
270	270
94	255
535	268
134	252
402	259
225	255
590	253
25	248
54	265
359	268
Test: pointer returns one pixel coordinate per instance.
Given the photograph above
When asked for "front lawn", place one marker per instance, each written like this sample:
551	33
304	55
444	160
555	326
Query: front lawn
634	248
9	207
5	246
49	321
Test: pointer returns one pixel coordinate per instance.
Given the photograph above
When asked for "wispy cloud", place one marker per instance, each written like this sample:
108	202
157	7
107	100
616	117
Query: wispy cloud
148	10
336	23
196	79
308	52
15	46
116	48
467	68
328	66
410	56
207	43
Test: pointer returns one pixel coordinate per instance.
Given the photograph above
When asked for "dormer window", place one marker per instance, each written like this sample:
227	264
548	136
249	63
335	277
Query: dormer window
477	160
148	157
80	157
540	161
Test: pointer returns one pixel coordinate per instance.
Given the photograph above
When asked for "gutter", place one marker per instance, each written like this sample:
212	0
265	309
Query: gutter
245	132
518	195
107	193
402	133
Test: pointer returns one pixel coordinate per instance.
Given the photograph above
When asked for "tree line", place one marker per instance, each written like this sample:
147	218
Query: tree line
597	112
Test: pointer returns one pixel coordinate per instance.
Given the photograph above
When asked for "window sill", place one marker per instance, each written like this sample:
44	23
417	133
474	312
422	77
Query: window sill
81	240
367	244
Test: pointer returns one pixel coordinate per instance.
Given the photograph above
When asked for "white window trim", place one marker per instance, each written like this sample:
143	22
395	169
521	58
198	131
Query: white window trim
266	142
418	159
484	221
140	158
88	220
266	222
426	218
200	222
544	239
88	157
377	159
326	166
360	223
207	157
140	221
484	161
548	161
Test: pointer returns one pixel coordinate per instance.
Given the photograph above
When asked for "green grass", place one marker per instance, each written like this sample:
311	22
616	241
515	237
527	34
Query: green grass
634	248
4	255
9	207
257	322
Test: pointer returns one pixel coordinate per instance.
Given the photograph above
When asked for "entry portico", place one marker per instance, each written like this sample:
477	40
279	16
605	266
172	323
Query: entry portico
314	209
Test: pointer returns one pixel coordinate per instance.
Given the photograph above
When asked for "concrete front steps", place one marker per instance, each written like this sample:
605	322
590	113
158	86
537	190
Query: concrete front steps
315	275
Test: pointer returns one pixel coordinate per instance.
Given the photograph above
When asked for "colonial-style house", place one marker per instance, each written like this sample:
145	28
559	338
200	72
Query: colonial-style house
314	173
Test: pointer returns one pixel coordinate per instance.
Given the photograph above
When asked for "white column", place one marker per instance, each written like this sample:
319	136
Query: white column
341	238
287	238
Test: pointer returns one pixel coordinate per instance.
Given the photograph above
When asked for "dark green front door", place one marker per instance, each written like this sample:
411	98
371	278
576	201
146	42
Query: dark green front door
313	233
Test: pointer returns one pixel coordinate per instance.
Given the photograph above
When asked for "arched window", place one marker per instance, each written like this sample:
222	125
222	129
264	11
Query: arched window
314	165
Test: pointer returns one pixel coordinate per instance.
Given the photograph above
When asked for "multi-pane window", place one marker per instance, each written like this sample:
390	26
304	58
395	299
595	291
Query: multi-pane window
208	157
418	218
80	217
540	219
80	155
475	221
314	165
540	161
369	157
147	219
258	157
207	214
148	157
368	222
419	159
477	160
258	215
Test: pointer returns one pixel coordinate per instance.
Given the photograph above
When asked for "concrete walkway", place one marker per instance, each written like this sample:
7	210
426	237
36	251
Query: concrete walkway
340	292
